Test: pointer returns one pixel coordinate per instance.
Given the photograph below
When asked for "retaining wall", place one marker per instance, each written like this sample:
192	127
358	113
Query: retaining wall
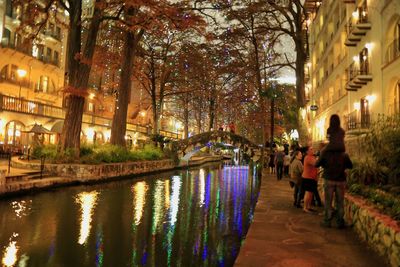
380	231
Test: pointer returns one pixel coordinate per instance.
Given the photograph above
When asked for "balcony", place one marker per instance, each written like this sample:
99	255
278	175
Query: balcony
358	121
357	29
358	76
393	51
53	35
19	105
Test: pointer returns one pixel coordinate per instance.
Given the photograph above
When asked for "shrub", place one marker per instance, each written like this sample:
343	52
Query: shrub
48	151
383	143
367	173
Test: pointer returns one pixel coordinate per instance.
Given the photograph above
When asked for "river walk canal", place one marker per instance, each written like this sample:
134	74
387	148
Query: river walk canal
195	217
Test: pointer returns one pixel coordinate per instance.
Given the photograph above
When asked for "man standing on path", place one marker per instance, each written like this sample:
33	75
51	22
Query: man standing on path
334	164
279	158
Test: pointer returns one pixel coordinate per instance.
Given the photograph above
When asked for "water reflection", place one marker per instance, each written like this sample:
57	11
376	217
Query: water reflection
192	218
139	193
88	201
10	252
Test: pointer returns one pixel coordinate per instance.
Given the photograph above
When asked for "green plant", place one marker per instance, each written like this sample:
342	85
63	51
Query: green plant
367	173
383	144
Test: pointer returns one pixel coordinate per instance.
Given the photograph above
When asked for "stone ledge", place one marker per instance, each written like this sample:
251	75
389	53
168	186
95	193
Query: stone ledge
380	231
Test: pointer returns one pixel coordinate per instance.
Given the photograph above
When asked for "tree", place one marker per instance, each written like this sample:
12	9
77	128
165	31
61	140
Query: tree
289	17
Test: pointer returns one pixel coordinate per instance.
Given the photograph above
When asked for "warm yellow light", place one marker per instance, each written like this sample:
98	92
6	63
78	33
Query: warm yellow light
176	188
10	255
369	46
355	14
21	73
139	190
356	105
371	98
91	96
355	58
107	135
202	186
88	201
143	113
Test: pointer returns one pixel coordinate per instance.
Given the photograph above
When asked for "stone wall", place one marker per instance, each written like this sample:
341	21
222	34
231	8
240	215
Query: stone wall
380	231
85	172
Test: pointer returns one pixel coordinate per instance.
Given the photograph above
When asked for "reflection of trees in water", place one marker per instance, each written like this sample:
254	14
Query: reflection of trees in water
195	218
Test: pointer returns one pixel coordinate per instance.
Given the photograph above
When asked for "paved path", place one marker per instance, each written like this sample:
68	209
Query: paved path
282	235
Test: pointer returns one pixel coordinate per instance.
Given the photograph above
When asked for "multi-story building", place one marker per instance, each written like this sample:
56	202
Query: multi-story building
354	65
32	79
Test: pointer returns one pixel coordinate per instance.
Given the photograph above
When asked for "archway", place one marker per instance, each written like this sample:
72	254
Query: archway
13	134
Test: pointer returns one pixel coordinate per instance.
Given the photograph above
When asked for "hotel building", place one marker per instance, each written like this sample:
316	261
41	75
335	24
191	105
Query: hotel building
32	78
354	64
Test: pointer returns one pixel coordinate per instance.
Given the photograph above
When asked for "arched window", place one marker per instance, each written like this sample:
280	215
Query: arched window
4	73
13	133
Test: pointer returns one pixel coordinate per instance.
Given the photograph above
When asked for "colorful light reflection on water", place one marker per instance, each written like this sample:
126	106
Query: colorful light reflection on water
191	218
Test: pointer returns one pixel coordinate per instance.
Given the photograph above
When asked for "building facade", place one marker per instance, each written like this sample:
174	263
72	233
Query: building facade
354	65
32	79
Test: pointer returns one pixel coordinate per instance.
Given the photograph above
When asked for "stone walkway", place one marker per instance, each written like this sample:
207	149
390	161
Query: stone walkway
282	235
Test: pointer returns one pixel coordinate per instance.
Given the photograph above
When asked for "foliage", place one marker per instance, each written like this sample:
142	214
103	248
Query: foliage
382	142
48	151
388	203
367	173
107	153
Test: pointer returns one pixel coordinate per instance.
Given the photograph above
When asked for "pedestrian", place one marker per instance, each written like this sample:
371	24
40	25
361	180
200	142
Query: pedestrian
309	181
296	171
334	163
279	158
286	164
271	163
335	135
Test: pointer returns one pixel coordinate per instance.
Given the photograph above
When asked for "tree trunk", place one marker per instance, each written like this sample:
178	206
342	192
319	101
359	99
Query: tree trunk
301	58
78	75
212	109
186	115
118	128
272	122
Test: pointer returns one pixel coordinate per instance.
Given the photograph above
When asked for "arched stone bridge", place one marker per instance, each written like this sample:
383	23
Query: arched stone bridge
184	146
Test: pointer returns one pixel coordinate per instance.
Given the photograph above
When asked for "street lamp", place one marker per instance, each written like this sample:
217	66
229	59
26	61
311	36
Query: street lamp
21	74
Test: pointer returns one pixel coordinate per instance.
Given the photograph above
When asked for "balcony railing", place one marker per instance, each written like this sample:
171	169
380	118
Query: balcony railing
393	51
14	104
357	29
358	76
20	48
356	120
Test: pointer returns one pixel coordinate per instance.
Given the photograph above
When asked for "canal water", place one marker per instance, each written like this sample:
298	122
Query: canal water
187	218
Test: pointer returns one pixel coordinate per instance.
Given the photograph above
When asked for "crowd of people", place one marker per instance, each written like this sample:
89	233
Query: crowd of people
304	166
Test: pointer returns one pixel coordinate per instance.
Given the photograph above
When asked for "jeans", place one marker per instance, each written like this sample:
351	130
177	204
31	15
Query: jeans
298	193
279	170
337	188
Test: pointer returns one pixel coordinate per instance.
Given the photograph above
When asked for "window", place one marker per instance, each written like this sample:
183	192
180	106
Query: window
364	65
48	54
13	74
13	133
43	84
4	73
6	37
9	8
56	58
40	52
91	107
364	113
